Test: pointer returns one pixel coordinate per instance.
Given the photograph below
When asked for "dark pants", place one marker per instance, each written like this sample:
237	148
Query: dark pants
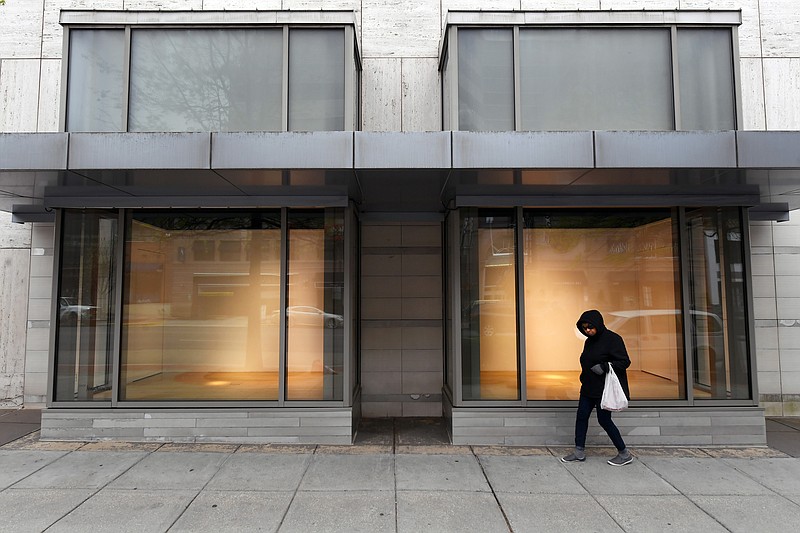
585	406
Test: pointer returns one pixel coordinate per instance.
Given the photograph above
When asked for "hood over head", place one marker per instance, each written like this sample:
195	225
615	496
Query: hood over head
592	317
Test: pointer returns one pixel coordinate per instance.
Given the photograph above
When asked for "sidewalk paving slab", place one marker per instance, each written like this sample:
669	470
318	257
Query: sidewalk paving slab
233	512
440	472
349	472
126	511
81	470
598	477
260	472
353	511
697	475
16	465
555	513
656	514
34	510
171	471
746	514
448	511
780	474
529	474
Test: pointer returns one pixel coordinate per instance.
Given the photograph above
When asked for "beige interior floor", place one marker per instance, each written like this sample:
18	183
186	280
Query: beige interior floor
263	386
246	386
565	385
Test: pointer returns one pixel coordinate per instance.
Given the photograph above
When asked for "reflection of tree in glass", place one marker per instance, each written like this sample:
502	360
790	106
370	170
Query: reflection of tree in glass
96	80
206	80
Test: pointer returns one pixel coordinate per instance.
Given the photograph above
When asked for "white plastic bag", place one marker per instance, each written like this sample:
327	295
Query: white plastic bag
613	396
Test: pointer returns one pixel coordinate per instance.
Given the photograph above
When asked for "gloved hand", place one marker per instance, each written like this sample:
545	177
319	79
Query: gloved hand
598	369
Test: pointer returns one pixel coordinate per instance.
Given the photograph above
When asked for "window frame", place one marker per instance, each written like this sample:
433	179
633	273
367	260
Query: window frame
453	349
128	21
516	21
350	386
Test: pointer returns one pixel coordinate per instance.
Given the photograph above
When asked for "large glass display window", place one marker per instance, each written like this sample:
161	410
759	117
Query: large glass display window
623	263
670	281
198	323
205	306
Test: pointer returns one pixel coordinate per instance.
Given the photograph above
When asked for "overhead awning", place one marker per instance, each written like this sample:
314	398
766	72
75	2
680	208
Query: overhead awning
399	172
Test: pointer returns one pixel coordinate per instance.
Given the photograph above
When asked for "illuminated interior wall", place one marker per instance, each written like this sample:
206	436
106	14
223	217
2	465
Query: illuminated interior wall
498	294
305	335
202	297
628	273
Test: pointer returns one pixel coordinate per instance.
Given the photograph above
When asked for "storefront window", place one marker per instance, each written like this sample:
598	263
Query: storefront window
86	319
718	317
315	305
197	326
489	360
623	263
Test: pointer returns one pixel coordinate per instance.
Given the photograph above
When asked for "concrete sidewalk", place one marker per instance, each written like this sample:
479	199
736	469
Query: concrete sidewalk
401	487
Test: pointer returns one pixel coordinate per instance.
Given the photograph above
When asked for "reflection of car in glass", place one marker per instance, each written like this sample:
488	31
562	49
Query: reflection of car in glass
306	315
493	317
652	335
67	308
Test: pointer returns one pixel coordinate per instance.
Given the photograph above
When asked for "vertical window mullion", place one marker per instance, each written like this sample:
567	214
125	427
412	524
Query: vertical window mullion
452	63
737	79
126	88
284	275
516	63
676	81
520	274
285	90
54	307
684	236
349	66
119	272
751	334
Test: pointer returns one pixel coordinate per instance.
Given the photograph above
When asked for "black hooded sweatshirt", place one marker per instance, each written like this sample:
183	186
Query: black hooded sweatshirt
602	348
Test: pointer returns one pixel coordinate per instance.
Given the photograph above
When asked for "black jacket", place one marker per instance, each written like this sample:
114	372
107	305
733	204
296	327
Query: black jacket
602	348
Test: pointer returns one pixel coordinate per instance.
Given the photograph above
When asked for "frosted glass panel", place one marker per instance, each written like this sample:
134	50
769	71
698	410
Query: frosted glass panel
485	80
96	80
706	79
585	79
316	80
206	80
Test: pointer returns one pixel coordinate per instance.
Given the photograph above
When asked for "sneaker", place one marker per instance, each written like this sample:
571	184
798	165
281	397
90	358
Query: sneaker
621	459
572	458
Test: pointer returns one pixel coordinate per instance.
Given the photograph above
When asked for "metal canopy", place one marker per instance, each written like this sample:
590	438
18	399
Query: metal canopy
399	172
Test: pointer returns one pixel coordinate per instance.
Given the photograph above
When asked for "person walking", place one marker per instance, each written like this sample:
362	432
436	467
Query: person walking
601	348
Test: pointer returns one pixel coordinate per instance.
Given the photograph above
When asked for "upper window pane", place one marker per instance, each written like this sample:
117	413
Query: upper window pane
206	80
587	79
706	79
96	80
485	80
316	80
